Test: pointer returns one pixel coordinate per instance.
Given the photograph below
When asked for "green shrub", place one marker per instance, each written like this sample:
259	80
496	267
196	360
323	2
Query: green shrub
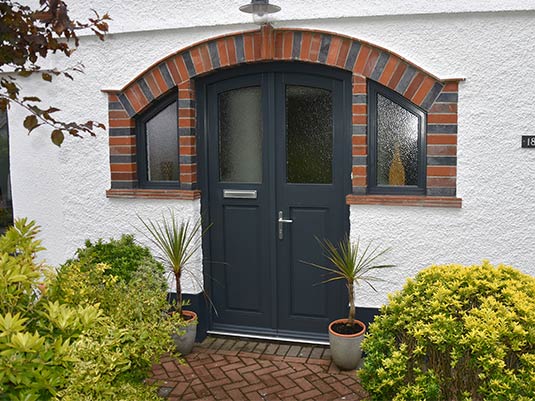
455	333
123	256
134	332
80	334
36	335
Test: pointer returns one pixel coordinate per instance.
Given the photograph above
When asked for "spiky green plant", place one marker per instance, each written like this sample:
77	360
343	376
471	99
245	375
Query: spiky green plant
177	242
352	264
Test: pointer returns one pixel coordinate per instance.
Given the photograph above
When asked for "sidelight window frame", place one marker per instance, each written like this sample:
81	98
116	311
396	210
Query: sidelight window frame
374	89
141	140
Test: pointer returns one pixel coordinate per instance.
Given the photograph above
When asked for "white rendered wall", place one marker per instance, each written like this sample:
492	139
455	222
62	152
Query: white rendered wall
64	189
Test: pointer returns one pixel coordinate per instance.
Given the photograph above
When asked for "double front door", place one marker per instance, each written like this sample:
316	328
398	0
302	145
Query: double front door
277	159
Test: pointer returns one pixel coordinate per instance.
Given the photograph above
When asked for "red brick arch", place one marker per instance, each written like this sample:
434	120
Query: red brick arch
366	61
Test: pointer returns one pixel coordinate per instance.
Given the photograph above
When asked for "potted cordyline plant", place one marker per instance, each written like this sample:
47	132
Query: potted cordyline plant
177	242
352	264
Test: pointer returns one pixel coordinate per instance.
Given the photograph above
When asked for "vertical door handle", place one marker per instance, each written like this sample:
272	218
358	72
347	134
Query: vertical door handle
282	221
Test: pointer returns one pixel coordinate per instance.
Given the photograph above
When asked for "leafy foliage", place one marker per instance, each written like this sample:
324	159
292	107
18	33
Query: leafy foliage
177	241
353	264
80	334
123	257
28	35
455	333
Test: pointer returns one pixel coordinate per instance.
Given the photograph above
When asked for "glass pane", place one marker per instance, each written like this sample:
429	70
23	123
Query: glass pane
309	135
6	208
397	144
162	145
240	135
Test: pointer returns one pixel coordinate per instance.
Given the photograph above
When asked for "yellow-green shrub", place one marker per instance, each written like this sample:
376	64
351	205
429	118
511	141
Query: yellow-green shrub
455	333
79	334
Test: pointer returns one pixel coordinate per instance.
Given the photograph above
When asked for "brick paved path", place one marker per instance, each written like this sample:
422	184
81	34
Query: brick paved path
235	369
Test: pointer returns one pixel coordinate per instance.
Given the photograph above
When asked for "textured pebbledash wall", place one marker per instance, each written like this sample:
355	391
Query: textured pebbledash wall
65	189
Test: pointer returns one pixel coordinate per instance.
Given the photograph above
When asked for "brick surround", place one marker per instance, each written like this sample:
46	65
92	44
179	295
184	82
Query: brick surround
366	61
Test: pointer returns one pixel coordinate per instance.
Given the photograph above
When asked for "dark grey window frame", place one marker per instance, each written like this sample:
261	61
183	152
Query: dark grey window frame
141	142
4	121
375	89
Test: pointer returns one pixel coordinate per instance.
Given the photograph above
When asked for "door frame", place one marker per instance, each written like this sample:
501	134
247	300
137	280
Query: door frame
203	161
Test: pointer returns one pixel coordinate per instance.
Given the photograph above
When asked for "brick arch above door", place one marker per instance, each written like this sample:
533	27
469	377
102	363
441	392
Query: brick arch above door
438	97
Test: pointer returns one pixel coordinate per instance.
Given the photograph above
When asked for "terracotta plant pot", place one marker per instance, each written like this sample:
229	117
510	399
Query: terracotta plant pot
345	348
184	343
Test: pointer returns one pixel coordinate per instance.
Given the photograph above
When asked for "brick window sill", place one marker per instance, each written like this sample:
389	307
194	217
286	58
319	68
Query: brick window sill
404	200
154	194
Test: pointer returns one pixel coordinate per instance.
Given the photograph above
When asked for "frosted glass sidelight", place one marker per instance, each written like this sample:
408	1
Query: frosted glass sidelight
162	145
397	144
240	135
309	135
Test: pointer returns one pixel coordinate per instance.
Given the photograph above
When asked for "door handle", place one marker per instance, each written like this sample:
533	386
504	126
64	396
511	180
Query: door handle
282	221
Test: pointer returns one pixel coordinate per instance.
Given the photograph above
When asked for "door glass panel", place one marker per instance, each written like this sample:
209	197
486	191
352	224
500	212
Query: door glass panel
240	135
397	144
162	145
309	135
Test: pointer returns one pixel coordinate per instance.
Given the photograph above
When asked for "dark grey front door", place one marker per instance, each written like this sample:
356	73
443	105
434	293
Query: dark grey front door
277	169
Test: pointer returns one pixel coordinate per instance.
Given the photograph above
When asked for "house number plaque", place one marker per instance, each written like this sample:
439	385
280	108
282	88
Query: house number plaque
528	141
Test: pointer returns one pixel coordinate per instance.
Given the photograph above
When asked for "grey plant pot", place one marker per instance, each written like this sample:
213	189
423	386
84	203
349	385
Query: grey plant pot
345	349
184	343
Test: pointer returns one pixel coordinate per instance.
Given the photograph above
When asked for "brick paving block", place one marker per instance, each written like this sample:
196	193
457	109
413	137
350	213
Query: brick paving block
283	349
248	368
294	350
227	346
250	346
228	352
235	385
271	349
334	369
232	366
273	389
244	354
169	366
252	388
260	348
329	379
207	342
305	352
323	362
217	344
248	361
179	389
322	386
317	352
274	358
238	345
253	396
304	384
341	389
290	392
164	391
235	394
219	393
284	372
326	354
309	395
251	378
295	359
299	374
327	396
201	390
285	382
190	397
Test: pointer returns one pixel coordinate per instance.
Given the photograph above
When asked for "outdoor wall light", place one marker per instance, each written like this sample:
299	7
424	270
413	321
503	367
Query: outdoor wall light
260	10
